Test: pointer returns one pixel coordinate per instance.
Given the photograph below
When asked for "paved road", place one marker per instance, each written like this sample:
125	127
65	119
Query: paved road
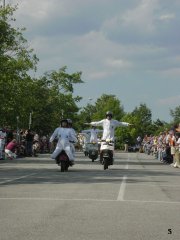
137	198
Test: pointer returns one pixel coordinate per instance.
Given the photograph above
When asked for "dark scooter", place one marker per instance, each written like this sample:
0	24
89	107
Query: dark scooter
93	151
63	161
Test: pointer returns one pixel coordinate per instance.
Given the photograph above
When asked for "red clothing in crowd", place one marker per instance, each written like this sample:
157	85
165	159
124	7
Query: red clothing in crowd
11	146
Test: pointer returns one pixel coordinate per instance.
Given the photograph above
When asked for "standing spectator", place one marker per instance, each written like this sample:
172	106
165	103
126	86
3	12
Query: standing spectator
44	144
36	137
178	128
126	142
10	149
29	143
177	153
172	142
138	141
2	142
169	155
10	135
36	145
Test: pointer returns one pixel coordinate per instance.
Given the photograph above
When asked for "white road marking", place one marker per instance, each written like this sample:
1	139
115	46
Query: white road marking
123	184
87	199
153	185
122	189
14	179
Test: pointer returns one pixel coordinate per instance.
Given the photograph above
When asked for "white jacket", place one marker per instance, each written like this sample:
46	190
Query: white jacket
63	133
109	127
93	134
64	136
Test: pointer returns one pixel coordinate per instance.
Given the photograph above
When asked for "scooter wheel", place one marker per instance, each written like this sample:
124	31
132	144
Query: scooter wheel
105	164
63	166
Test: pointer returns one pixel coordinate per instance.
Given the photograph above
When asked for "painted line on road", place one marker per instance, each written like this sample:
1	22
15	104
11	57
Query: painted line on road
123	184
153	185
87	199
14	179
122	189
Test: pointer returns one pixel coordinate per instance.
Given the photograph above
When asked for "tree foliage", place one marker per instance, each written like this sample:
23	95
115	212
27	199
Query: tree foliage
59	102
48	98
175	114
16	59
108	103
140	117
98	111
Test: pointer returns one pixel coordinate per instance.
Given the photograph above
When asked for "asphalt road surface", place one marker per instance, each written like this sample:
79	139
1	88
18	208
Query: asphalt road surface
136	198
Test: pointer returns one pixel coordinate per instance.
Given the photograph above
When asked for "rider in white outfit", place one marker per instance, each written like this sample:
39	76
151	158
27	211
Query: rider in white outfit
73	133
93	134
64	136
109	126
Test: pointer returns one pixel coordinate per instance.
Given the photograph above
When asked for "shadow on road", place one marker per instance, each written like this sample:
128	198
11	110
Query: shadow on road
91	173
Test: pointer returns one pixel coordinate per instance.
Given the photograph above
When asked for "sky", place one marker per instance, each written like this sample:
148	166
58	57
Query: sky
127	48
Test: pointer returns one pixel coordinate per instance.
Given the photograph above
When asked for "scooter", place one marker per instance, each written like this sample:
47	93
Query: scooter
63	161
85	149
93	151
107	148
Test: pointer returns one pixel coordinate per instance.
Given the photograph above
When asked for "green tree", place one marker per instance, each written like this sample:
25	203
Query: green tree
48	98
60	102
85	116
158	126
175	114
98	111
126	133
16	59
108	103
140	117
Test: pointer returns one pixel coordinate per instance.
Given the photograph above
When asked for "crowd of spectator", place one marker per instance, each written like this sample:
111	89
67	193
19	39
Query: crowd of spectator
165	147
22	143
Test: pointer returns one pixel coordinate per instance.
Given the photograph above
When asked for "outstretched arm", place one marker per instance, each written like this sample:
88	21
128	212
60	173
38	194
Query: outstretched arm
98	123
55	134
126	124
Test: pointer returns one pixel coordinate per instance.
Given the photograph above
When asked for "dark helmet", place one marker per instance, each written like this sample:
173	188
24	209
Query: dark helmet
108	113
64	121
69	122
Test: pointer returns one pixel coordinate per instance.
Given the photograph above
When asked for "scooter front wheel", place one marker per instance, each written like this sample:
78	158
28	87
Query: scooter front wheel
105	163
63	166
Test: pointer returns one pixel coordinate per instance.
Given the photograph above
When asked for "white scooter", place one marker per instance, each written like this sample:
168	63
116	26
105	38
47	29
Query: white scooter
107	149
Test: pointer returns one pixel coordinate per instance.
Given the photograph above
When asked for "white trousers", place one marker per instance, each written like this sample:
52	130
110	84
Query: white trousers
73	149
66	148
10	153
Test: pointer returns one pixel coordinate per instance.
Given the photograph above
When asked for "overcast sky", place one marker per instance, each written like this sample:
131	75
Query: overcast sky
129	48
